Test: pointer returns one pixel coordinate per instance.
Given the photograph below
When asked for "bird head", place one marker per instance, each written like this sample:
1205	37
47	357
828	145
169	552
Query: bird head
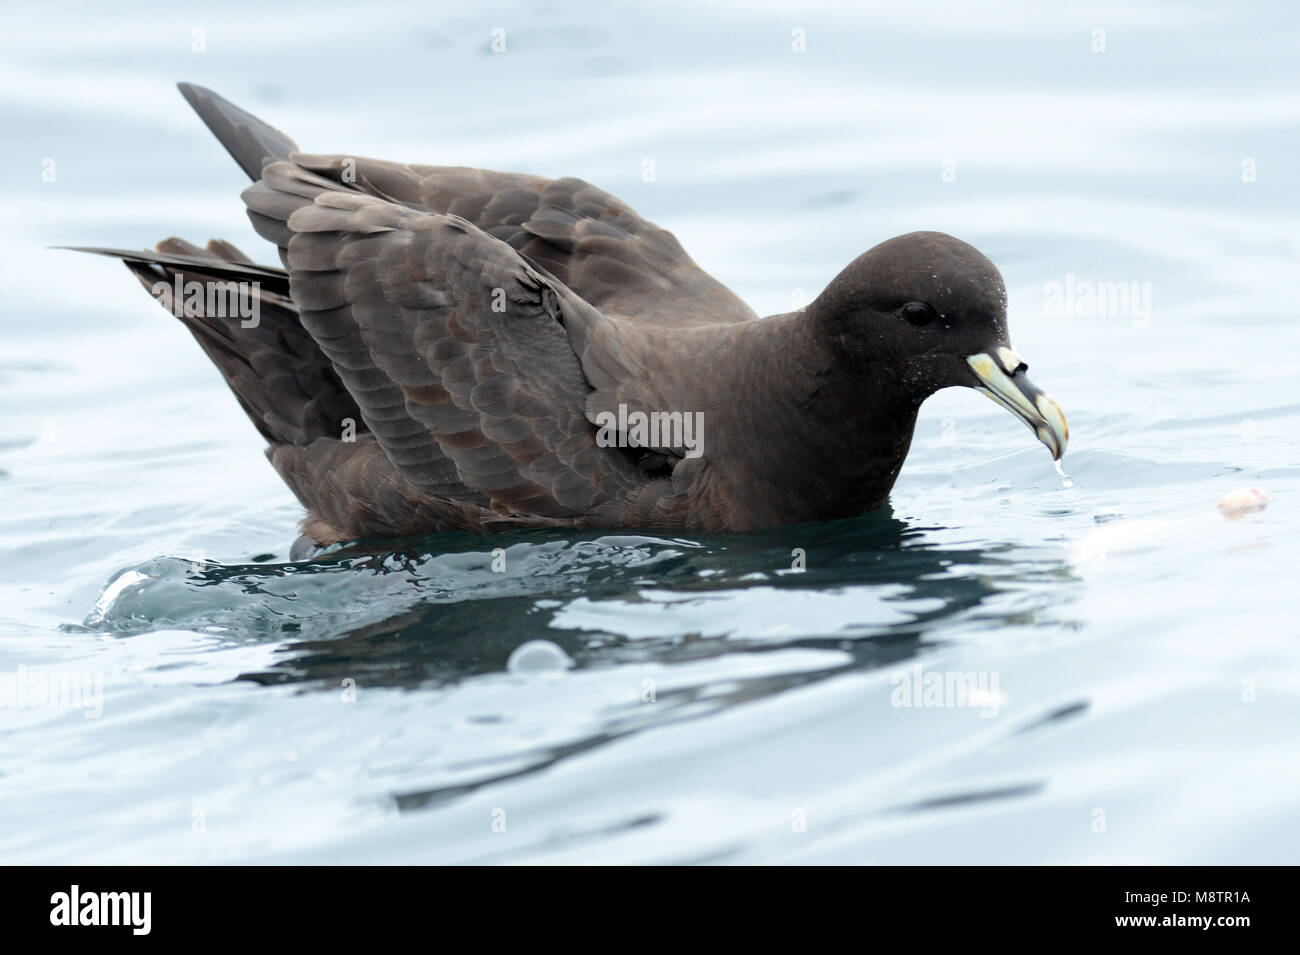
925	311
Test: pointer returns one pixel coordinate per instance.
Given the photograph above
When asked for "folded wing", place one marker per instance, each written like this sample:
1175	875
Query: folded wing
592	242
450	342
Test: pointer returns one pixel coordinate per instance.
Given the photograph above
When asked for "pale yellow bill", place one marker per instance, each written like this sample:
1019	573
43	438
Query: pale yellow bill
1003	379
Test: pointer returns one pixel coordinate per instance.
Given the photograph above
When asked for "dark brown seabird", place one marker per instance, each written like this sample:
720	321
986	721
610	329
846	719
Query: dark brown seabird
453	348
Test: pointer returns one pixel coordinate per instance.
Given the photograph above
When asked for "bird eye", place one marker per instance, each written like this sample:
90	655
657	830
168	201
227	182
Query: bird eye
919	313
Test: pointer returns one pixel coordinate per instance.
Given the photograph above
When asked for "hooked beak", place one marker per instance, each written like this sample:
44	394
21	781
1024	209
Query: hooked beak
1002	377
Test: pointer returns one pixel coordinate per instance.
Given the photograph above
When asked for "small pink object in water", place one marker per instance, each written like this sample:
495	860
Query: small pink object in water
1243	501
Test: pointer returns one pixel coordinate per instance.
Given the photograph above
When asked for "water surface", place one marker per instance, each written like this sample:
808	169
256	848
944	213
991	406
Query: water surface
729	698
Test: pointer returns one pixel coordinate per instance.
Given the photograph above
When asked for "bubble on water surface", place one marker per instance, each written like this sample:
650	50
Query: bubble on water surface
538	656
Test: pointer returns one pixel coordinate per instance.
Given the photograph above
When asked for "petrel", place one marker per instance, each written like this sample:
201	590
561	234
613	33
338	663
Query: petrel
453	348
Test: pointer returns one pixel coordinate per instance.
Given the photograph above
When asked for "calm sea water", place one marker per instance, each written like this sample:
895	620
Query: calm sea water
1131	654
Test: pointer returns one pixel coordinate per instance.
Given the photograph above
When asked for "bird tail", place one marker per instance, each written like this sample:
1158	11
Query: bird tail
241	315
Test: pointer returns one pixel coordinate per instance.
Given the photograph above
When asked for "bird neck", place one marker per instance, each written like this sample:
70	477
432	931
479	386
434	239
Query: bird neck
822	431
